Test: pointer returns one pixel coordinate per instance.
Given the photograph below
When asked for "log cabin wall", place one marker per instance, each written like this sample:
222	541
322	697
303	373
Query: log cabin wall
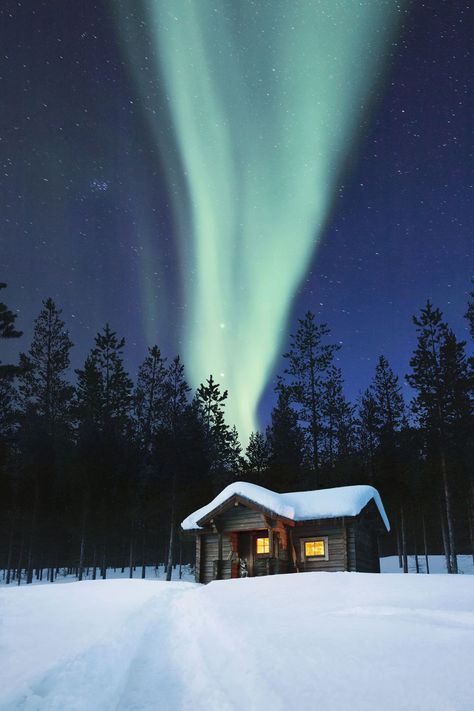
209	554
241	518
363	551
337	547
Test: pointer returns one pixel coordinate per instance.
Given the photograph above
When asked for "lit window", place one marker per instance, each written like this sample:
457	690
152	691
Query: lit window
313	549
263	546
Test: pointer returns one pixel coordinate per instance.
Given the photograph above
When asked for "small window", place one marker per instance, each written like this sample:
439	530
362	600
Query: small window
263	545
314	548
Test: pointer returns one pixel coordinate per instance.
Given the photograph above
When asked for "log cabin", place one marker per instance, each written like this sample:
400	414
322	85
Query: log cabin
247	531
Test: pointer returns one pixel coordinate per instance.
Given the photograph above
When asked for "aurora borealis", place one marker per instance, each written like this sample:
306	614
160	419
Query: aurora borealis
264	100
199	174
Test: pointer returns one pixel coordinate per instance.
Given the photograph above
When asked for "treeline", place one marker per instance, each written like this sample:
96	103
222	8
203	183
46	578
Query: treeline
97	471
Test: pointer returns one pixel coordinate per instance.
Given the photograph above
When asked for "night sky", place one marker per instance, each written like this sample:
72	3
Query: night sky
86	196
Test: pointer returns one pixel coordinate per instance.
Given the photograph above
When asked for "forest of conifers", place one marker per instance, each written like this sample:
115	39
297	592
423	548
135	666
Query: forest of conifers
97	470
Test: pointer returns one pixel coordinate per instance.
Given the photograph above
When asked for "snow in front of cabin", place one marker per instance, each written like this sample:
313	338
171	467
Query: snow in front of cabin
331	641
297	505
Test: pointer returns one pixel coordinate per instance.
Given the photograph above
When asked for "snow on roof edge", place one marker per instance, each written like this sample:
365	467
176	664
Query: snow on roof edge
297	505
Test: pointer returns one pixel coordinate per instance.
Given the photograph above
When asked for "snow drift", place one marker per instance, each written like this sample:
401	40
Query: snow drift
331	641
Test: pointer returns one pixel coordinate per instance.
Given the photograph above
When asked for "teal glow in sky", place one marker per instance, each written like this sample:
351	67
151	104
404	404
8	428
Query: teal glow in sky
263	103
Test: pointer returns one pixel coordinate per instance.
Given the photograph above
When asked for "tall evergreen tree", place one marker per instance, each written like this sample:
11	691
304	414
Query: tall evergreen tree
44	388
440	378
149	396
7	332
223	446
368	433
337	420
173	444
309	359
104	387
257	457
45	403
287	445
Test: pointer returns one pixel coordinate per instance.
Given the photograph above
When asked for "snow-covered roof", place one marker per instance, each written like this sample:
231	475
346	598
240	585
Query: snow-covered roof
296	505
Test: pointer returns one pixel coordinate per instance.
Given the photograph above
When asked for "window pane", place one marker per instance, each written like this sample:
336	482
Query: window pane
314	548
263	545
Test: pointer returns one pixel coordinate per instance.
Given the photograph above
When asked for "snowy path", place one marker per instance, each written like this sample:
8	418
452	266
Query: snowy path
325	641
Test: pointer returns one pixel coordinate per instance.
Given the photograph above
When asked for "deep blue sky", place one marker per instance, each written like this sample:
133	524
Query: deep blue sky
82	193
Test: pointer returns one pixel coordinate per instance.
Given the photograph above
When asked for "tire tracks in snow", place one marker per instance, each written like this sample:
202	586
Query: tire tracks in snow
108	676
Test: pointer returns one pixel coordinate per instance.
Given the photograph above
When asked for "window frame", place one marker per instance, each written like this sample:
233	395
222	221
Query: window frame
314	558
263	555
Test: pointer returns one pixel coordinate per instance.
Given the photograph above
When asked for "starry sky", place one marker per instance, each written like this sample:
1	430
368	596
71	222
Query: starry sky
86	196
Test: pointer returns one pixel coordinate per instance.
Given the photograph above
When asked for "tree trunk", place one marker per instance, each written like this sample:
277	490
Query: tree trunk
404	539
83	543
130	558
449	515
471	515
415	542
20	561
29	574
399	546
143	556
425	544
9	555
445	537
169	564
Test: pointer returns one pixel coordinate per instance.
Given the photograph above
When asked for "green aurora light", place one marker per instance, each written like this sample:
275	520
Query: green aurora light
264	102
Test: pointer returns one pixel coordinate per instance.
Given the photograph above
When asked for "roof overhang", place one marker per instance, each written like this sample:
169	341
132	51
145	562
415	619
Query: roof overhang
235	500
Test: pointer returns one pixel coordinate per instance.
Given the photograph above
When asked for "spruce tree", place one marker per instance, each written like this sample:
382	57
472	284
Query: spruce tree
309	359
45	391
149	396
368	433
224	449
395	468
257	457
104	387
286	443
337	420
441	380
172	444
7	331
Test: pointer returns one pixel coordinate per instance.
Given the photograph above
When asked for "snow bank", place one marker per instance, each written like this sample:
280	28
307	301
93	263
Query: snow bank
331	641
297	505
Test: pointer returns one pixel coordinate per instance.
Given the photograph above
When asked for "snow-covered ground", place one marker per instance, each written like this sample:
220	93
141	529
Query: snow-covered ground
326	641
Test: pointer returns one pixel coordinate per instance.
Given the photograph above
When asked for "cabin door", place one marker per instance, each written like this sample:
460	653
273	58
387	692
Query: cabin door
245	553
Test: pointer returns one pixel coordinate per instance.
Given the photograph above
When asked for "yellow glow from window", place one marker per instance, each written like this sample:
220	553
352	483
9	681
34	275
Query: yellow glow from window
263	545
314	548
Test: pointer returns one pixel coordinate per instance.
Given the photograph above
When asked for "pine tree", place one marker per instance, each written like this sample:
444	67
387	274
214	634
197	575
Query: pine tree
7	331
173	442
470	313
337	420
149	396
395	475
221	441
368	431
309	359
44	389
286	443
257	457
440	378
104	387
8	406
469	448
108	466
44	395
